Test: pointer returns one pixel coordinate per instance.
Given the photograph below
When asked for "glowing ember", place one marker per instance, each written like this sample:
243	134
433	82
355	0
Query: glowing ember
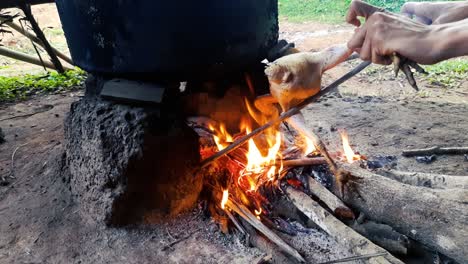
224	199
258	213
348	151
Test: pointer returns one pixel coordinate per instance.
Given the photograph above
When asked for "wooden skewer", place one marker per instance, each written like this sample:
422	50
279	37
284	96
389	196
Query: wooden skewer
285	115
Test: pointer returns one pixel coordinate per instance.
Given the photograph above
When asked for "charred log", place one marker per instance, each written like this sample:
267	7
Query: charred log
435	218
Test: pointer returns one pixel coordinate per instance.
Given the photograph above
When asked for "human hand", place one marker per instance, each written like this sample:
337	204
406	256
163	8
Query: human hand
385	34
433	13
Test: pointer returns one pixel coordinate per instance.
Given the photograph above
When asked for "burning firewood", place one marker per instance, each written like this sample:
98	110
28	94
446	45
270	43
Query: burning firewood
435	218
303	162
328	198
343	234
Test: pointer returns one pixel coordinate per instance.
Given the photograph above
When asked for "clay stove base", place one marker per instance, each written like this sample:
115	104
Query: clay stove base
129	164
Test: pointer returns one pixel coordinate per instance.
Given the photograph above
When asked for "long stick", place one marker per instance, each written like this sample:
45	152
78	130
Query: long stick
25	57
27	34
286	114
435	151
37	30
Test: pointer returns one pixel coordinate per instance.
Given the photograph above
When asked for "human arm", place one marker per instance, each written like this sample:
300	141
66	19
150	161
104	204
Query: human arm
434	13
386	33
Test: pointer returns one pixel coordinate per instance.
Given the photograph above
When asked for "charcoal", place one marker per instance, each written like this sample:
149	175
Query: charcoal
2	136
381	162
426	159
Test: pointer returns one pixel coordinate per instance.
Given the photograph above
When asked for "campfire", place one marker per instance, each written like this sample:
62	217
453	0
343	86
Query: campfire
261	165
245	185
250	178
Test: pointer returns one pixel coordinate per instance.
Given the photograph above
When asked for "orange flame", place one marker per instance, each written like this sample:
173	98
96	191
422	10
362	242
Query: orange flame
261	166
309	146
348	151
221	137
224	199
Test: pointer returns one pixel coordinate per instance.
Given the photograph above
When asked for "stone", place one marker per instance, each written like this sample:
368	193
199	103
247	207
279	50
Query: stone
130	164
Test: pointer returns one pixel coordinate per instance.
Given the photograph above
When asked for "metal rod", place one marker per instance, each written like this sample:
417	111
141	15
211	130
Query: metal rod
285	115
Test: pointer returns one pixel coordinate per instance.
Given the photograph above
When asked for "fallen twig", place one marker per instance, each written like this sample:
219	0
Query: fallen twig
12	174
436	151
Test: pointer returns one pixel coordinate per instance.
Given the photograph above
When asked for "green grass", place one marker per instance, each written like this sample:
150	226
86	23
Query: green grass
448	74
329	11
20	87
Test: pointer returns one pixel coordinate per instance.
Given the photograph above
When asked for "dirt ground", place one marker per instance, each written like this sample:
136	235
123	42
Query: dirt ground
39	222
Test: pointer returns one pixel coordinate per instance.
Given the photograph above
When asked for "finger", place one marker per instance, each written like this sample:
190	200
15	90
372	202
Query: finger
360	9
352	15
366	50
408	9
356	41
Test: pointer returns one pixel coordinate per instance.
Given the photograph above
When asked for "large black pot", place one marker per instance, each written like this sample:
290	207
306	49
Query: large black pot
167	38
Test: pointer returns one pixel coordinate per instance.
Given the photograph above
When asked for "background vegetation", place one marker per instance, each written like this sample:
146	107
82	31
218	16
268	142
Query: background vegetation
326	10
446	74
